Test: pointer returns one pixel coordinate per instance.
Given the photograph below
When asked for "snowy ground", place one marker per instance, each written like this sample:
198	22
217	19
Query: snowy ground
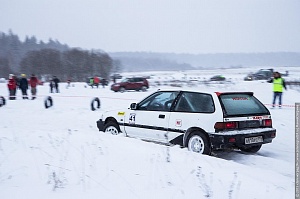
59	152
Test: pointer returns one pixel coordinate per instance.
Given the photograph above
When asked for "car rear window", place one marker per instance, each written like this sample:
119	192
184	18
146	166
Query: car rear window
241	104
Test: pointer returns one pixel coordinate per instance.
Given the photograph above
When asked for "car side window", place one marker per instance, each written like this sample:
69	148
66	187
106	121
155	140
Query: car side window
195	103
160	101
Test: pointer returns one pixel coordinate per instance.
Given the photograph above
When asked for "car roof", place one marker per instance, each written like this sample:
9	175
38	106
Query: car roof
208	92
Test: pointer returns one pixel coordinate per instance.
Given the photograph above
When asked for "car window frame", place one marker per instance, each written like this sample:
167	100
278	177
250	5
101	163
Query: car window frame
174	106
155	95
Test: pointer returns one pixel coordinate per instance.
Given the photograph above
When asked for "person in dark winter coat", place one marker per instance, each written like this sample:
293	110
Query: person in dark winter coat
56	81
278	85
24	86
51	84
33	81
12	86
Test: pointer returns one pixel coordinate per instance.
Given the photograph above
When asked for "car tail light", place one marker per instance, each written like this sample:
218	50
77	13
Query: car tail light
226	125
273	135
267	122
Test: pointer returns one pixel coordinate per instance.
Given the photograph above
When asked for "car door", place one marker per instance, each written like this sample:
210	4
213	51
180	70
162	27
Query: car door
136	83
150	118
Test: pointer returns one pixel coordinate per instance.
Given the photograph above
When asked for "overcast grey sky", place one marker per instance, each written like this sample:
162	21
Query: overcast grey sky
179	26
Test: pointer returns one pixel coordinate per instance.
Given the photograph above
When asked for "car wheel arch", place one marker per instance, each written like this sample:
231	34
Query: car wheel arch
111	119
190	132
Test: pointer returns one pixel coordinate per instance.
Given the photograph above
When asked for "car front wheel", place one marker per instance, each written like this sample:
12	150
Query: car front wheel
198	143
112	127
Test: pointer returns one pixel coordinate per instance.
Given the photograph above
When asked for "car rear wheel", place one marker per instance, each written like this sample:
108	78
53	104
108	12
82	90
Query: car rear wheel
251	149
198	143
112	127
144	88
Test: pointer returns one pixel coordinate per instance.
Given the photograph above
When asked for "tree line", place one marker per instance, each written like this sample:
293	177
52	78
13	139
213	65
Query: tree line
52	58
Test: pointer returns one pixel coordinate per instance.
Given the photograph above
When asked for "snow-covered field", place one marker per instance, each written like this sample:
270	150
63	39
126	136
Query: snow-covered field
59	152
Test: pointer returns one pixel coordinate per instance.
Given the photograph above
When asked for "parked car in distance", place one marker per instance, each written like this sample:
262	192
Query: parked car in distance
218	78
262	74
200	121
132	83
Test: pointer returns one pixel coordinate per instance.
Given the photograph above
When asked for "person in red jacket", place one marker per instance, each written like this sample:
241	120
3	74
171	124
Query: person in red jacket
33	81
12	86
96	81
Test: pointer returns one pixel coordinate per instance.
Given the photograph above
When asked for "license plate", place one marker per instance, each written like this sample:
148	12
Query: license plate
252	140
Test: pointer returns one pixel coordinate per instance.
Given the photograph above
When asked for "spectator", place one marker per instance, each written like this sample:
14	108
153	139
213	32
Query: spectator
103	82
56	81
51	84
12	86
68	83
278	85
92	82
96	81
24	86
33	81
17	81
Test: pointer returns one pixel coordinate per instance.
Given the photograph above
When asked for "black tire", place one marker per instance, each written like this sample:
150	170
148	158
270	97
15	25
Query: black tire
2	101
251	149
199	143
144	88
95	100
48	102
112	127
122	89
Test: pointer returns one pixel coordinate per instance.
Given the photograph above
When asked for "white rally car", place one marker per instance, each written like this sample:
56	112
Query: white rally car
200	121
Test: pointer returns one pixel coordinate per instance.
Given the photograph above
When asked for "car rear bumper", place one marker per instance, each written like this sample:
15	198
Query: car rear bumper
236	139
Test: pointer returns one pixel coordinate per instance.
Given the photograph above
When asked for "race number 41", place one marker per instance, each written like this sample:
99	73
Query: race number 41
132	118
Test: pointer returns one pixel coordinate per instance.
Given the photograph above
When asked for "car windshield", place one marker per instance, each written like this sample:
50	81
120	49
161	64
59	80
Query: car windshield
125	80
242	104
160	101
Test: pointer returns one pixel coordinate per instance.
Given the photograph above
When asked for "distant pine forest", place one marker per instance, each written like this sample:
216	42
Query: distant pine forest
51	59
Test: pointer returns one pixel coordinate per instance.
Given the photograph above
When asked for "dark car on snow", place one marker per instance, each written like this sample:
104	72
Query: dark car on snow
262	74
218	78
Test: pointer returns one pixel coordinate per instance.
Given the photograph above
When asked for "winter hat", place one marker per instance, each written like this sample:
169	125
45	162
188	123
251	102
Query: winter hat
11	76
23	75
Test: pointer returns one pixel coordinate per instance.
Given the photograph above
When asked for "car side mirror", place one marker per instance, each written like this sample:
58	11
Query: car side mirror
133	106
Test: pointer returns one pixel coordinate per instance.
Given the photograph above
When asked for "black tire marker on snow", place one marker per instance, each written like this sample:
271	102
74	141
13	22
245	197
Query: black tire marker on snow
2	101
48	102
96	99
